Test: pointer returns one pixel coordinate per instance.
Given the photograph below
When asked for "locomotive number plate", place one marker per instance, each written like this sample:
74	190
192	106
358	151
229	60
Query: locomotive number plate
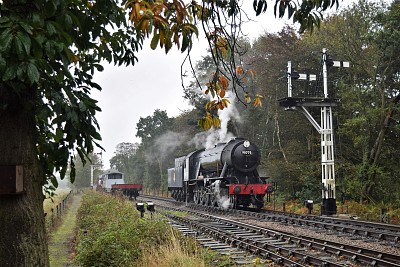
246	152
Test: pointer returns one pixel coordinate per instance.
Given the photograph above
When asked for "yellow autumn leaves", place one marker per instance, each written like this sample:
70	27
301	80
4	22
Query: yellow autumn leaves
217	88
168	21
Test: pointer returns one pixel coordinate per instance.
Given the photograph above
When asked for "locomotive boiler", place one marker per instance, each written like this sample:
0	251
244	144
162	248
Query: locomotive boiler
225	175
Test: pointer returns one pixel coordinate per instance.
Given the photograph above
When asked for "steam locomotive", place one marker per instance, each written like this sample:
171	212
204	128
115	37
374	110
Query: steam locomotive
225	176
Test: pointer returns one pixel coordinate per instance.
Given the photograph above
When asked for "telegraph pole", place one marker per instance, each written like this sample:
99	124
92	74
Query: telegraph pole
324	128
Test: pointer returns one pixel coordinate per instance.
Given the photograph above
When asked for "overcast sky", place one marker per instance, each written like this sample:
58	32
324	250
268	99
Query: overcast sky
153	83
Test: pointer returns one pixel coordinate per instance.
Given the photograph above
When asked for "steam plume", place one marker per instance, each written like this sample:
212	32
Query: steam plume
213	136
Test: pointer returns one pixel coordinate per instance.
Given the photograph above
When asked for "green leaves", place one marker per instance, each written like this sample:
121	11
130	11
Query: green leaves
55	47
16	43
6	39
307	13
33	73
260	6
23	40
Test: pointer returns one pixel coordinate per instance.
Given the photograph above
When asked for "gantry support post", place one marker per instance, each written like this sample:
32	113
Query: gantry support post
328	185
92	168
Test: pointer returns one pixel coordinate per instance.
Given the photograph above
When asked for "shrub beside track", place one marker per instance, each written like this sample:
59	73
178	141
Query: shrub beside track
110	232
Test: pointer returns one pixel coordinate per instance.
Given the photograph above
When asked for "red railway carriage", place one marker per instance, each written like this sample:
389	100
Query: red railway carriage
129	190
128	186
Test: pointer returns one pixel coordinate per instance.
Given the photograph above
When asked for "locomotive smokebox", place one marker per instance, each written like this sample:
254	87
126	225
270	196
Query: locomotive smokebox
242	155
238	153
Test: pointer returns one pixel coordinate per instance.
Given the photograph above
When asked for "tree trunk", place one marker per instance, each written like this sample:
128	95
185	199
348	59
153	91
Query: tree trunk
376	149
23	239
278	135
161	174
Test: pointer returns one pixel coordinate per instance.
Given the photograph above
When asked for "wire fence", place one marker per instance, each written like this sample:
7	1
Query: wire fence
54	215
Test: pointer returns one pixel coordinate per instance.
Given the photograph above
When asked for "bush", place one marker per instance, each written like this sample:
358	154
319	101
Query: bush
371	212
111	232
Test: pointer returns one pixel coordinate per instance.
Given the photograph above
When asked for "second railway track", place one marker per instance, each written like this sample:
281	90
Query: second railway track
279	247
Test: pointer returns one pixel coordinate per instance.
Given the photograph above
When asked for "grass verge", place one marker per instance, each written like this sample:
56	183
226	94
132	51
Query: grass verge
110	232
60	238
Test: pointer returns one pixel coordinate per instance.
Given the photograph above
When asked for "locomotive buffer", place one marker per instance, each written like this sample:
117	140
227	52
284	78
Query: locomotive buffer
325	128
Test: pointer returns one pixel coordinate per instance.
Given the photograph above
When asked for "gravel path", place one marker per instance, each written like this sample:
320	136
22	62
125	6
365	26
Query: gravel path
61	238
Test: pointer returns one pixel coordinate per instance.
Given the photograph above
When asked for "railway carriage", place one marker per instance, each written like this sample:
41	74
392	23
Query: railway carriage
113	181
109	178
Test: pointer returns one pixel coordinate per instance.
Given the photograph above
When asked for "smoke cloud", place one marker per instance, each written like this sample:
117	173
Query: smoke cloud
223	201
165	145
214	136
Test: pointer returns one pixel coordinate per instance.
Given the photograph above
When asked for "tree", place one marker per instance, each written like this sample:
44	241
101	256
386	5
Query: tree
150	129
49	50
152	126
83	172
285	138
123	160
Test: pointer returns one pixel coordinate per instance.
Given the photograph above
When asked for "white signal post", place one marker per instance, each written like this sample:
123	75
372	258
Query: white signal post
289	78
92	168
95	166
325	128
328	186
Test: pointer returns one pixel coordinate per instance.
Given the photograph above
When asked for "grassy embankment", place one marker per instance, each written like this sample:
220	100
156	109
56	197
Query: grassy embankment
50	208
60	227
110	232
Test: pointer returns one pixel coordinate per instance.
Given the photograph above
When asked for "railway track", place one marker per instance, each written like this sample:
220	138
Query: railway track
278	247
380	231
387	234
236	255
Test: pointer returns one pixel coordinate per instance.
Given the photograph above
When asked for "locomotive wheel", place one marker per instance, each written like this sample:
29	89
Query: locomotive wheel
207	199
201	198
259	201
196	197
197	194
260	205
232	202
213	200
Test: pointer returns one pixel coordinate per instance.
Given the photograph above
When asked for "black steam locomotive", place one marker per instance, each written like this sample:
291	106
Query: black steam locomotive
225	176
